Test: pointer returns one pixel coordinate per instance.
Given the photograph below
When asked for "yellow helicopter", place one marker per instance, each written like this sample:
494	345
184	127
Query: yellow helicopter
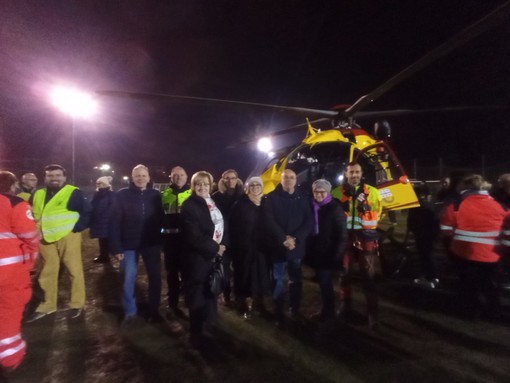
325	153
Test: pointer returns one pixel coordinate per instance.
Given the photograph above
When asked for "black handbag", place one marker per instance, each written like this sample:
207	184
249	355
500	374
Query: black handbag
217	277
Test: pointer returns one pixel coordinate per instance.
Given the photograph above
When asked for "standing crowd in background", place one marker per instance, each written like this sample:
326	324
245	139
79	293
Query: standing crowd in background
260	240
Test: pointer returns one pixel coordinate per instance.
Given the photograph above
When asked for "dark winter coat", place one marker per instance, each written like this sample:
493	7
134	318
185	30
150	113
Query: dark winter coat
327	248
287	214
199	247
137	219
225	201
102	213
251	275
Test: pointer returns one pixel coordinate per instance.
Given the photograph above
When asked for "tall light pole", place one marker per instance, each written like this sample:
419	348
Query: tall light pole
76	104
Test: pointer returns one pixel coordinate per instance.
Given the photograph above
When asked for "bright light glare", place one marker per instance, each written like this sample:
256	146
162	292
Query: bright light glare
265	145
73	102
340	178
105	167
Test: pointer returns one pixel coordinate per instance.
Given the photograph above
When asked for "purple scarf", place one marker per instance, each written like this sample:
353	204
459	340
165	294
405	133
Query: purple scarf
316	207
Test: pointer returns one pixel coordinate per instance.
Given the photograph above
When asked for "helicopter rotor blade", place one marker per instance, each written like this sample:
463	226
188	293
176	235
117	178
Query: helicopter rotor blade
406	112
491	20
215	101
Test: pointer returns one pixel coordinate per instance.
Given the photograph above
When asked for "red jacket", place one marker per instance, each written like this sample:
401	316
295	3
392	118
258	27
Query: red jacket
19	238
476	226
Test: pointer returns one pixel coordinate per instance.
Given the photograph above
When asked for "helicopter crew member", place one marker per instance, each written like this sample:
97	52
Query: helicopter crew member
230	189
62	213
288	216
19	242
362	205
476	222
172	199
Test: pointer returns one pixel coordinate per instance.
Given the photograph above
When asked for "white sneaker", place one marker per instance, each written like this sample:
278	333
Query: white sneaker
426	283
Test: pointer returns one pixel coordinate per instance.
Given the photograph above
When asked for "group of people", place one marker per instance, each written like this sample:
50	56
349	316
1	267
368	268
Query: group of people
262	240
471	217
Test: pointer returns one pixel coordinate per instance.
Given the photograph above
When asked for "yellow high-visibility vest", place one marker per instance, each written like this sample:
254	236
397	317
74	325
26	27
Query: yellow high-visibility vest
54	220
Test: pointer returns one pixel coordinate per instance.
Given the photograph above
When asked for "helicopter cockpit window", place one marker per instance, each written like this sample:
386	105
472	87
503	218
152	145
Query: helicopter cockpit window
379	164
323	160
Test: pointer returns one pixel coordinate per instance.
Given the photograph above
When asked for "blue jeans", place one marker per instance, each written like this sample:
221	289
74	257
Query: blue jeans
293	267
129	267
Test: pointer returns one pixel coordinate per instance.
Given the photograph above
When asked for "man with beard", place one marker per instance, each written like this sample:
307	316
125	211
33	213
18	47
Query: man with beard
62	213
362	204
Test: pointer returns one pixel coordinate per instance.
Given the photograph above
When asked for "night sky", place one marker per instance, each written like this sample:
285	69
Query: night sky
299	53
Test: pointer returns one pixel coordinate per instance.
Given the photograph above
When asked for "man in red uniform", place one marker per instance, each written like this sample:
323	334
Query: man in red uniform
476	223
19	242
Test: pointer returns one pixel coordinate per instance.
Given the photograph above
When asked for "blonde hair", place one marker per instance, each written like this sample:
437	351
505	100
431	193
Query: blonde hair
200	176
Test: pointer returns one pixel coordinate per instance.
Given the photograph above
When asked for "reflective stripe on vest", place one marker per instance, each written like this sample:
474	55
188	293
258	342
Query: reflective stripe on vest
506	232
354	222
7	235
445	227
13	350
505	242
477	233
13	260
369	223
12	339
482	237
53	218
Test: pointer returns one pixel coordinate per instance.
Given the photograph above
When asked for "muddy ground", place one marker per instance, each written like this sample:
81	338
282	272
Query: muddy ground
421	339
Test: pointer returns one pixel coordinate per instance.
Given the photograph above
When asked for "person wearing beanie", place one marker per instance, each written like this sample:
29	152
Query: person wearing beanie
251	272
327	244
102	210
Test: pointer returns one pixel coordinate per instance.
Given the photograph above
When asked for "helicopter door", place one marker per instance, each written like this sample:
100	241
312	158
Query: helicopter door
382	169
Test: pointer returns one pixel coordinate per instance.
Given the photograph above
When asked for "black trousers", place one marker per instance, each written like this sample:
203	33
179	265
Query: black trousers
104	248
477	278
173	264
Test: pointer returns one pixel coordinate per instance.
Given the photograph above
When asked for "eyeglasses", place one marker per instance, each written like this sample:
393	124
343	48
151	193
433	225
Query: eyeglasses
229	178
323	192
255	185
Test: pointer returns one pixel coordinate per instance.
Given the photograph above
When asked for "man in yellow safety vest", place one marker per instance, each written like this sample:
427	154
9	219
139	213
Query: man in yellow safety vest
61	212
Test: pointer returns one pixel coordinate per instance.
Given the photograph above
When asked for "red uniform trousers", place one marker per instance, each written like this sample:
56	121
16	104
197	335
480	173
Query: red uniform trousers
15	292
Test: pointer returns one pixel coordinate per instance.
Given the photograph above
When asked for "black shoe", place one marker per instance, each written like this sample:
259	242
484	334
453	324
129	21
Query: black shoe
37	315
101	260
74	313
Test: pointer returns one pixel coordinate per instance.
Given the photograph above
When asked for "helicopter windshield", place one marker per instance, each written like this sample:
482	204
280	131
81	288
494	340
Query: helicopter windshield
380	166
322	160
